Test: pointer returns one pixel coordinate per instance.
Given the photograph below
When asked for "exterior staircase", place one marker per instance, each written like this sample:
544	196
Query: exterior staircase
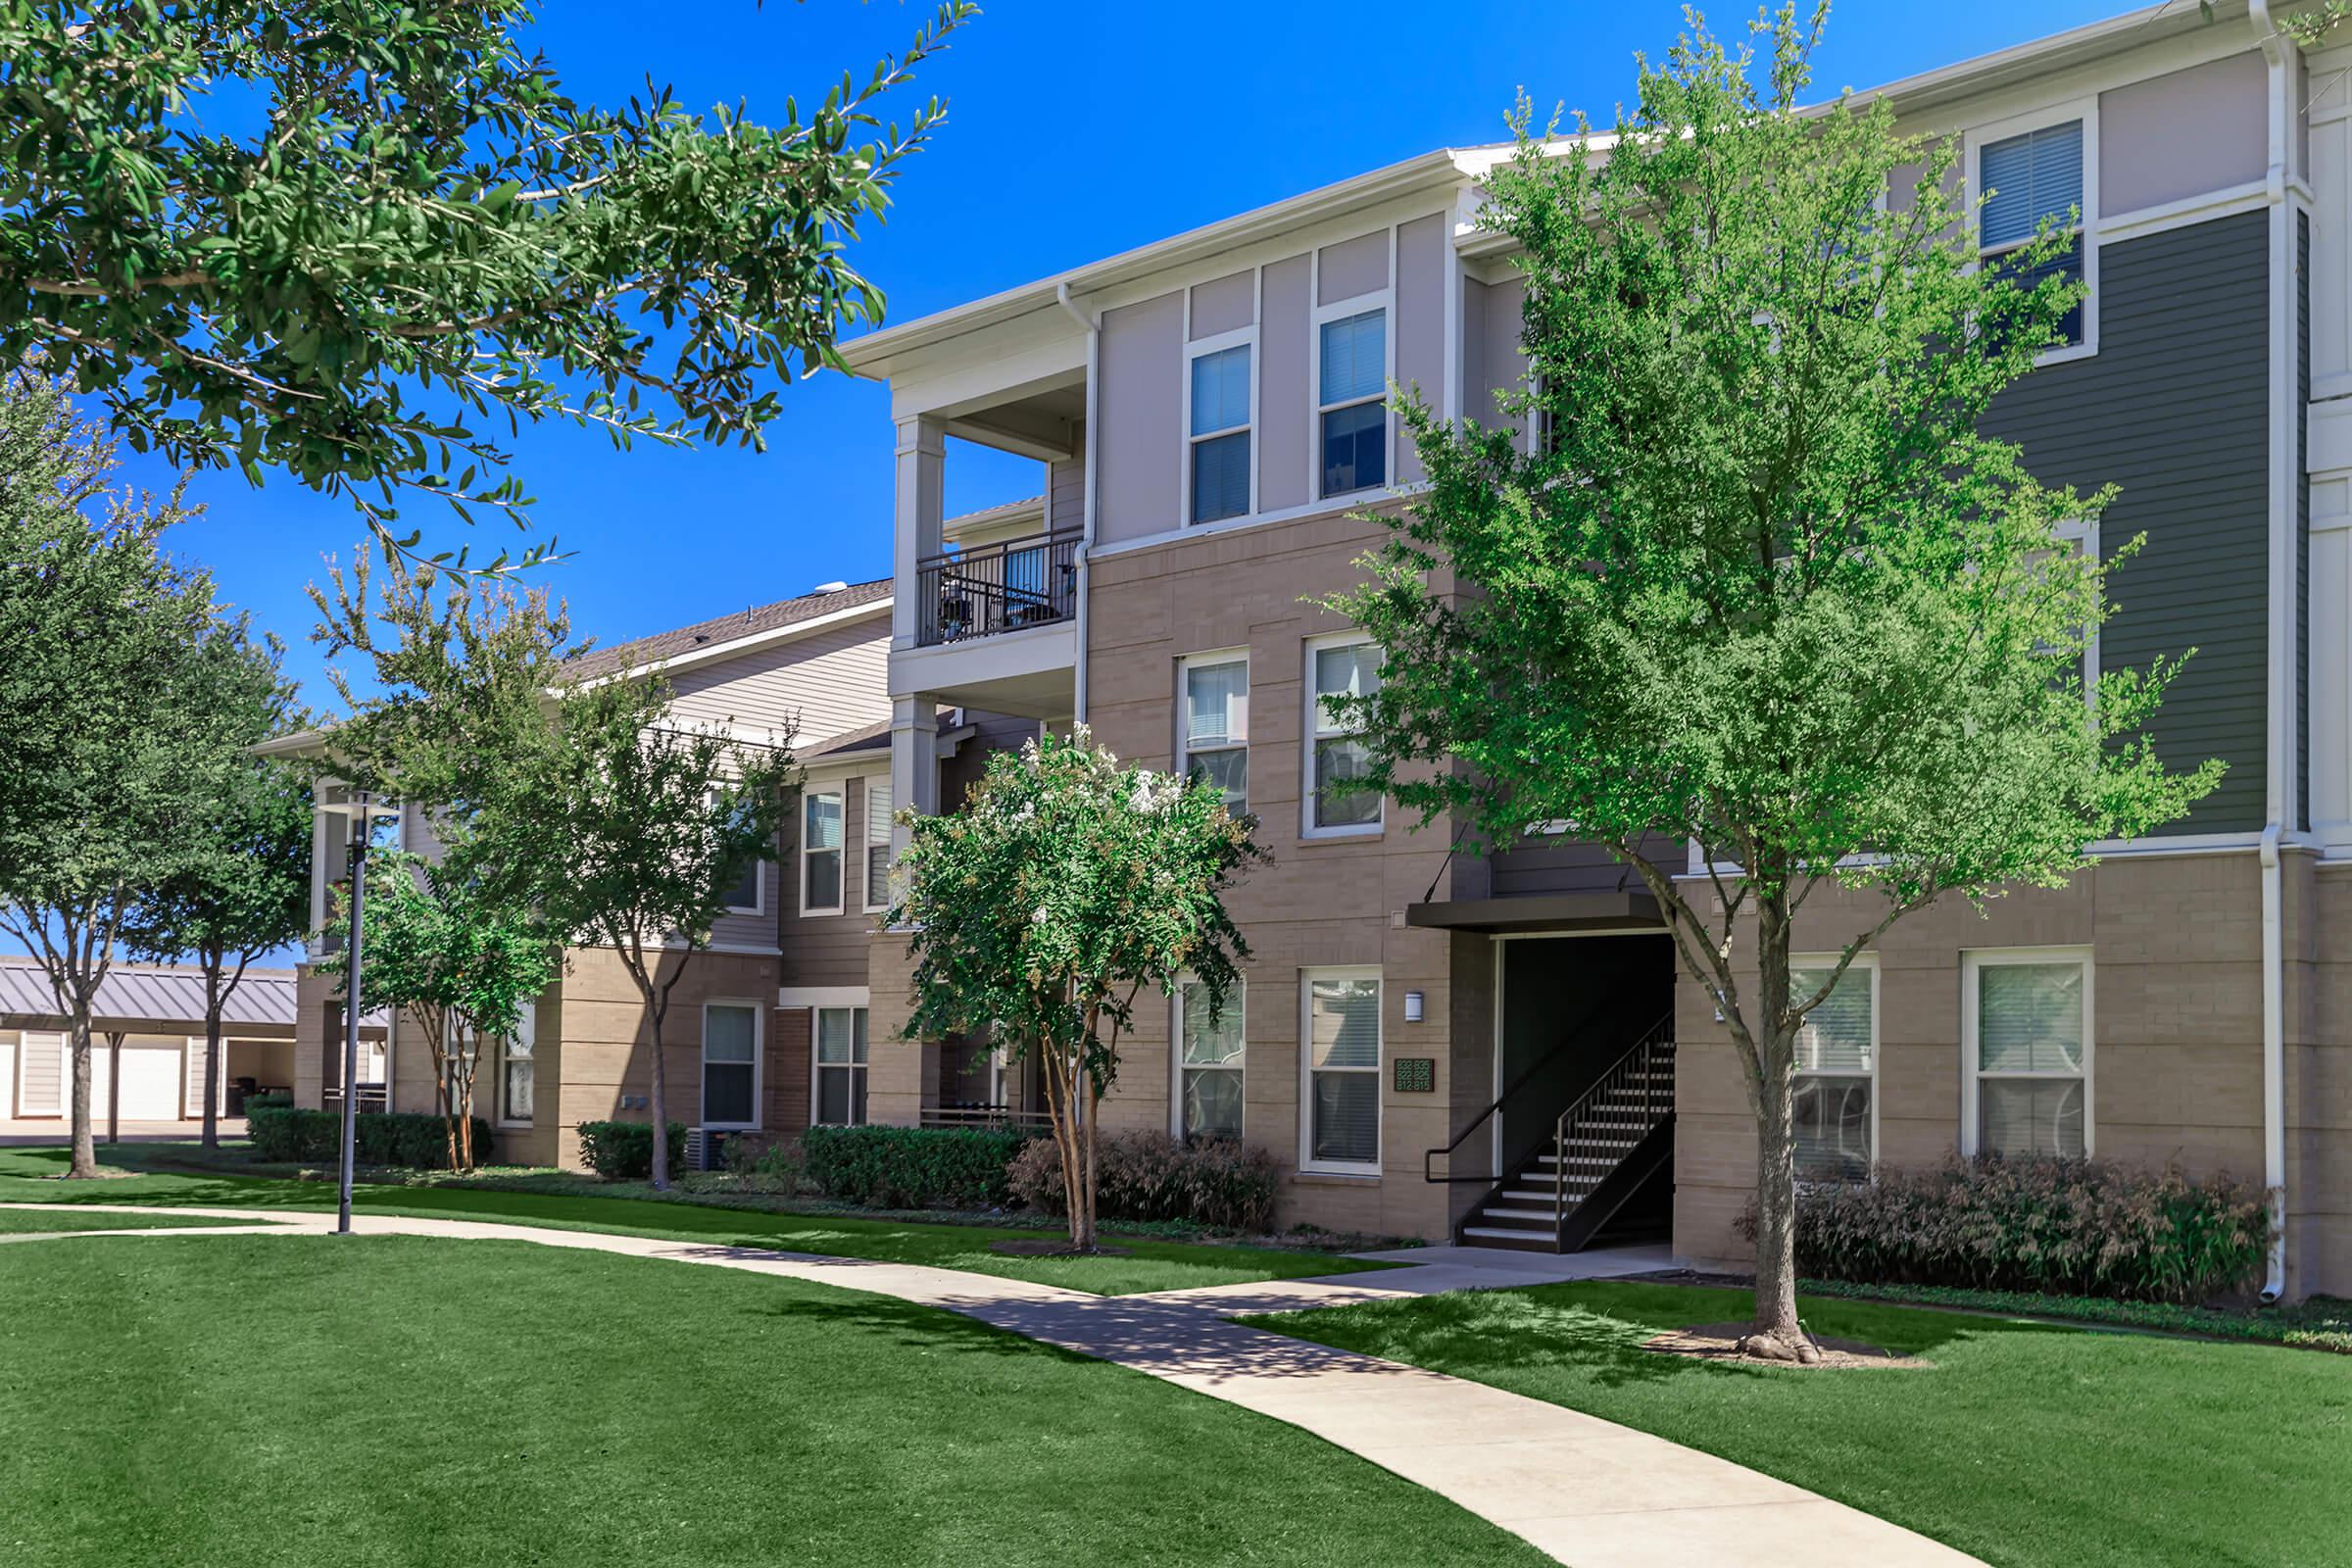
1617	1134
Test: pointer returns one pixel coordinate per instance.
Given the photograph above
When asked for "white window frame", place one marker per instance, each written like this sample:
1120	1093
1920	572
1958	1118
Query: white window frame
1973	961
1306	1069
758	904
817	1069
1309	828
1866	962
874	905
1979	137
527	1019
1383	300
840	796
1217	343
1183	711
1236	1003
702	1086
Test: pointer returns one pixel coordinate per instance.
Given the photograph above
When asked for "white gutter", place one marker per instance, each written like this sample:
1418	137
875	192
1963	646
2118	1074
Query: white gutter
2279	55
1086	534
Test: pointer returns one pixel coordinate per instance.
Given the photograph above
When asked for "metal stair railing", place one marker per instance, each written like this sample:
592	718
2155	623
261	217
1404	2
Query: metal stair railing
1605	1107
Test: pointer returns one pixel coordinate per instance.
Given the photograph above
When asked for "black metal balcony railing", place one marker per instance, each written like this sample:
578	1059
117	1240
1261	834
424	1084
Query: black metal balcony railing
997	588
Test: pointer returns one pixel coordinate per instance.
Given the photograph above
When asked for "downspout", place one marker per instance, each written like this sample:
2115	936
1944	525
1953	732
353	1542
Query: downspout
1093	325
2278	56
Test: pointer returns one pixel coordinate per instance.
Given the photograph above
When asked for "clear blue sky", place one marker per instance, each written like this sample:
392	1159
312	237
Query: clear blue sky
1075	131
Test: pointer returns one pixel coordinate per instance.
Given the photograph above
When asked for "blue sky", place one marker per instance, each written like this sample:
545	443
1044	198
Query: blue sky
1075	131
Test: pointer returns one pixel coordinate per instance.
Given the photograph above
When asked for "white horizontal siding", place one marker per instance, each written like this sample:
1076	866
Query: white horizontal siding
809	688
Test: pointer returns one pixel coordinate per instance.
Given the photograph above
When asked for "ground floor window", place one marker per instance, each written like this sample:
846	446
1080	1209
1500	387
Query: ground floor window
517	1074
2027	1035
840	1066
1836	1065
1209	1064
1341	1062
731	1064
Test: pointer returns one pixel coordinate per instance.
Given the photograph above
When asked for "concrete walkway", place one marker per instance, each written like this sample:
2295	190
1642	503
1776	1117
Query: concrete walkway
1587	1492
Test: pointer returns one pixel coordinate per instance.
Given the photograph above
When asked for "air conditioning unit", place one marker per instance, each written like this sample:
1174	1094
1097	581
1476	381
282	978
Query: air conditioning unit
706	1150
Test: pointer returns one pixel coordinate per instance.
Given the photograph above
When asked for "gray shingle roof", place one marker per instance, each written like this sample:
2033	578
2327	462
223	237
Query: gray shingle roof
727	628
152	993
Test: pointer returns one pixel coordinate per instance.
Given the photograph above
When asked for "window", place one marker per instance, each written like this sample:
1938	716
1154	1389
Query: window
1337	759
1209	1063
877	845
516	1070
2025	1018
1836	1062
1353	391
820	854
1213	742
839	1067
731	1064
1219	433
2029	178
742	891
1343	1072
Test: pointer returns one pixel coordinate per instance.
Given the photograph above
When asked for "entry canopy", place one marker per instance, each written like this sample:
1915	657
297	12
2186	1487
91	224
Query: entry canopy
1545	912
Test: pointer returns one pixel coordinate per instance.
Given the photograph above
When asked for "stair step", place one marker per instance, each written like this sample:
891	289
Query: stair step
1510	1233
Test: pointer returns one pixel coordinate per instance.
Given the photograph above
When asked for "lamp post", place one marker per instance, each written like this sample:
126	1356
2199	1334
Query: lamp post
363	808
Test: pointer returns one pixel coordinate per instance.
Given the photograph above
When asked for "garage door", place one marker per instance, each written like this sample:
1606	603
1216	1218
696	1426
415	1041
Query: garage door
151	1080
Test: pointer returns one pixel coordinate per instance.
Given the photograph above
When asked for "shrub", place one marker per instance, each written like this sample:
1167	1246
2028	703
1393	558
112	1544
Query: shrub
773	1166
1149	1176
412	1140
277	1101
623	1150
2068	1226
911	1168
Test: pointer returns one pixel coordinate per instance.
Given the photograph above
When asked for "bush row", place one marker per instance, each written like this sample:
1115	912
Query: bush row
911	1168
410	1138
1151	1176
623	1150
2071	1227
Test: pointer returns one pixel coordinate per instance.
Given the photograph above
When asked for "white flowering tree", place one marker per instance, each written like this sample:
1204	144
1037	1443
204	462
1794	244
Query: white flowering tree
1066	887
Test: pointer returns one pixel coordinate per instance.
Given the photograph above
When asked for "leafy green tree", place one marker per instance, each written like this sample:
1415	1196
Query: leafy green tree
1763	589
111	747
350	239
1065	887
243	886
438	945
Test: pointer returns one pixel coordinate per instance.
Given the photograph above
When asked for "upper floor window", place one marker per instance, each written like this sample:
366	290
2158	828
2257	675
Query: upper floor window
1836	1068
1337	758
1351	401
2026	1037
1214	742
877	845
1219	433
820	852
2029	179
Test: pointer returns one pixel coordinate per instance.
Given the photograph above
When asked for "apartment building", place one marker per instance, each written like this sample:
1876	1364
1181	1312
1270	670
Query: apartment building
1497	1046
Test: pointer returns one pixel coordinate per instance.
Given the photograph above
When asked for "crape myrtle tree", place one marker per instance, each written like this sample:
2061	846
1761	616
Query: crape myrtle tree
443	947
242	889
357	240
1763	589
1066	887
583	801
112	739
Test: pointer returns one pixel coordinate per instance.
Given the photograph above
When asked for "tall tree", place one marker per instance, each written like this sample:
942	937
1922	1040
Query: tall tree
1763	588
1065	887
260	232
243	886
110	746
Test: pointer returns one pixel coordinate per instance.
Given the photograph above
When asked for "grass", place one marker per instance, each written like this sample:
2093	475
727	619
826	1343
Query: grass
26	1221
27	1176
394	1401
2026	1445
2322	1323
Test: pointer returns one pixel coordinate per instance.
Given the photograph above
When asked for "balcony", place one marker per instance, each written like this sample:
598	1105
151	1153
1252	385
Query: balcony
988	590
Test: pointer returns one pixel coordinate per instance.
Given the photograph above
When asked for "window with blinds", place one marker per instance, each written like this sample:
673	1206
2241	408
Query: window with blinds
1836	1068
1209	1062
877	845
820	854
840	1066
1343	1072
1339	761
731	1064
1214	739
1220	433
517	1077
1352	402
2030	181
2030	1055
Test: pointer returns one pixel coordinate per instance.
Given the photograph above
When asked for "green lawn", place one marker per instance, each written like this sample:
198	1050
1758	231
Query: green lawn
19	1221
2023	1444
399	1401
27	1176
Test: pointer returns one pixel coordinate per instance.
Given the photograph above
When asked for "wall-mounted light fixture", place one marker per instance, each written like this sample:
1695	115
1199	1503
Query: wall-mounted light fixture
1412	1006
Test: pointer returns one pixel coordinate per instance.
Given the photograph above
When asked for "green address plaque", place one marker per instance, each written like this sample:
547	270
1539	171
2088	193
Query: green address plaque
1416	1075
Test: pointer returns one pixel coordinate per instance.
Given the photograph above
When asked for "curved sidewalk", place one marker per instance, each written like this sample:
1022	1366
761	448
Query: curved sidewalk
1588	1492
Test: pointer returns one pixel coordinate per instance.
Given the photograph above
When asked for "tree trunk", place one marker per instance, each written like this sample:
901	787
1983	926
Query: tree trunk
1094	1120
659	1101
84	1161
211	1060
114	1086
1059	1116
1777	1332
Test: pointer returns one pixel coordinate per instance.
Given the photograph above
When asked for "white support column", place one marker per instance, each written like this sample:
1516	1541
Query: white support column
913	762
919	510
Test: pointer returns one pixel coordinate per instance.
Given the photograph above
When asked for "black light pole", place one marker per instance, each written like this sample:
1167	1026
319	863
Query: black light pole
351	1010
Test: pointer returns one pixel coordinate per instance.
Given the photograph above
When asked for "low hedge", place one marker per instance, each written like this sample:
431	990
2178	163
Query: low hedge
913	1167
413	1140
1144	1176
2066	1227
623	1150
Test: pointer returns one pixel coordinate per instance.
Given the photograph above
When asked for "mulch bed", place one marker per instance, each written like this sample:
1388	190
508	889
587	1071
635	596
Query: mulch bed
1721	1342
